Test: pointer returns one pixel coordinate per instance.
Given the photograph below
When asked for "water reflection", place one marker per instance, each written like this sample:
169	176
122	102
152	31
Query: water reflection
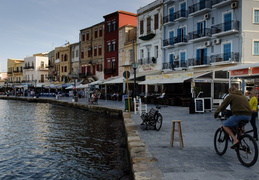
40	140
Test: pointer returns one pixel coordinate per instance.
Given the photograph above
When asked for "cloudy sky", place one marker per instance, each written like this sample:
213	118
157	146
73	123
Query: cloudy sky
33	26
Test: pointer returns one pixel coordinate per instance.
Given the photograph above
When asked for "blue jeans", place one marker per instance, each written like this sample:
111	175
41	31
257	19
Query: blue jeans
235	119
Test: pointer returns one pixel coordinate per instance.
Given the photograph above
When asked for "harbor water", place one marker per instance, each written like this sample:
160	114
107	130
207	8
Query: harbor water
47	141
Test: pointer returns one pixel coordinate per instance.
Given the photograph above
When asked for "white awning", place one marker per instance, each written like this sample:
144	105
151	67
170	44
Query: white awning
115	81
82	86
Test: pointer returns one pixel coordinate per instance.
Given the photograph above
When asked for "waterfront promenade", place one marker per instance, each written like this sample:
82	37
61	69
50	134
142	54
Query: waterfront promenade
154	158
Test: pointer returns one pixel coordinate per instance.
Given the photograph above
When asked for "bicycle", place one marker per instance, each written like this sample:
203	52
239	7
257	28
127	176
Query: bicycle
152	119
247	149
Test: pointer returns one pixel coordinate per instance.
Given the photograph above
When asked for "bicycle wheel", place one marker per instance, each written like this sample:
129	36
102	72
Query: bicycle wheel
220	141
247	152
158	121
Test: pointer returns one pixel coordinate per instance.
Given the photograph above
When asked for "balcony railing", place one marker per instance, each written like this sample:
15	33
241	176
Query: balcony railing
109	71
198	61
28	67
199	34
145	61
180	15
231	57
169	19
225	27
199	6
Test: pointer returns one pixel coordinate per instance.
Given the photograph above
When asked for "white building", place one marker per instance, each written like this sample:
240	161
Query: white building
35	69
149	35
204	37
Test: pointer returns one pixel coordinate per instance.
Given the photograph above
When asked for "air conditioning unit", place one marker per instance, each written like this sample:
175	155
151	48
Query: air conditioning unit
207	43
216	41
207	16
234	5
176	56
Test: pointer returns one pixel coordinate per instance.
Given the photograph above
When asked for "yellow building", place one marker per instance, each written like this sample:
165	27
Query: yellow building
62	63
15	70
127	54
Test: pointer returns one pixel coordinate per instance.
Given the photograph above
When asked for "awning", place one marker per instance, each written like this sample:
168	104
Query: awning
115	81
82	86
70	87
243	66
97	82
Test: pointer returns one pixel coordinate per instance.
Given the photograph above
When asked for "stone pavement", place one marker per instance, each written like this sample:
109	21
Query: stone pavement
197	160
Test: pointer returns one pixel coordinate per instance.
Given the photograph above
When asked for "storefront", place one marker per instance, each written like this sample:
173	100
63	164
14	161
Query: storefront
247	75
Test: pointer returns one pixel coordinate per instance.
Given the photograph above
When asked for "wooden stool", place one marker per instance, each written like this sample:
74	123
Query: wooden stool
179	130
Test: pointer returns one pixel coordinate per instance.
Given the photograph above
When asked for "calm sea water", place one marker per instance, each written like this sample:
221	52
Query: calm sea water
46	141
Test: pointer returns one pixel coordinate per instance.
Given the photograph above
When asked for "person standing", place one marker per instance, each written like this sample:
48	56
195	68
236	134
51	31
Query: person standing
253	102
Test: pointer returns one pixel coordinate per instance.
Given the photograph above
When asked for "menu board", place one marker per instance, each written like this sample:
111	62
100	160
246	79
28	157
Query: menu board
199	105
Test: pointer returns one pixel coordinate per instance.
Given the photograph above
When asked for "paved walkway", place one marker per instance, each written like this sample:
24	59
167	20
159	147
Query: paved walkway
197	160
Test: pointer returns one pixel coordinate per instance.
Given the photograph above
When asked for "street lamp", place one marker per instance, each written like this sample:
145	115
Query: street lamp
134	65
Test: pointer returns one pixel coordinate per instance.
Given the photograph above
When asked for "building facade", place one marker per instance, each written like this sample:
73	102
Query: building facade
113	22
63	63
92	51
15	70
35	69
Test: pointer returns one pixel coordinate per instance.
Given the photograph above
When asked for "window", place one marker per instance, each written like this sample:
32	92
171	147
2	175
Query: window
256	16
227	51
171	14
114	26
83	37
100	50
183	59
256	48
95	50
156	51
227	21
87	36
109	47
96	33
99	67
82	54
181	35
41	65
156	21
141	29
113	64
148	25
100	32
131	55
109	27
113	46
77	53
89	52
109	63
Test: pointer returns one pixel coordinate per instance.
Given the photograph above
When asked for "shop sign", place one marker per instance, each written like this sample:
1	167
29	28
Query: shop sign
255	70
239	72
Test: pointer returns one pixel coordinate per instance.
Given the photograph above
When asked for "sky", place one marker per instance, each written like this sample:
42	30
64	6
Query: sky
29	27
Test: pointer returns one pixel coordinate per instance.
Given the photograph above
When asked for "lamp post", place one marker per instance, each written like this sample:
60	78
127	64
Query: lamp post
134	65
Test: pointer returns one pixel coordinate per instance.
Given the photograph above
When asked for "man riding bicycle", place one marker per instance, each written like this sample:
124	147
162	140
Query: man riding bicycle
240	109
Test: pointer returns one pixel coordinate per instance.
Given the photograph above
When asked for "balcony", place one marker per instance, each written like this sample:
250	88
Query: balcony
201	35
225	29
29	67
221	3
225	58
109	71
169	19
198	62
145	61
180	40
168	65
200	8
169	1
168	43
181	15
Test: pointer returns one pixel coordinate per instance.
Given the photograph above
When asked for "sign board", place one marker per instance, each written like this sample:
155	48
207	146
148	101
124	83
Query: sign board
199	104
126	74
207	104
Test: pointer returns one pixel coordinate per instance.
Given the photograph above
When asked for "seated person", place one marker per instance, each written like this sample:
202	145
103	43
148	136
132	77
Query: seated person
94	98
